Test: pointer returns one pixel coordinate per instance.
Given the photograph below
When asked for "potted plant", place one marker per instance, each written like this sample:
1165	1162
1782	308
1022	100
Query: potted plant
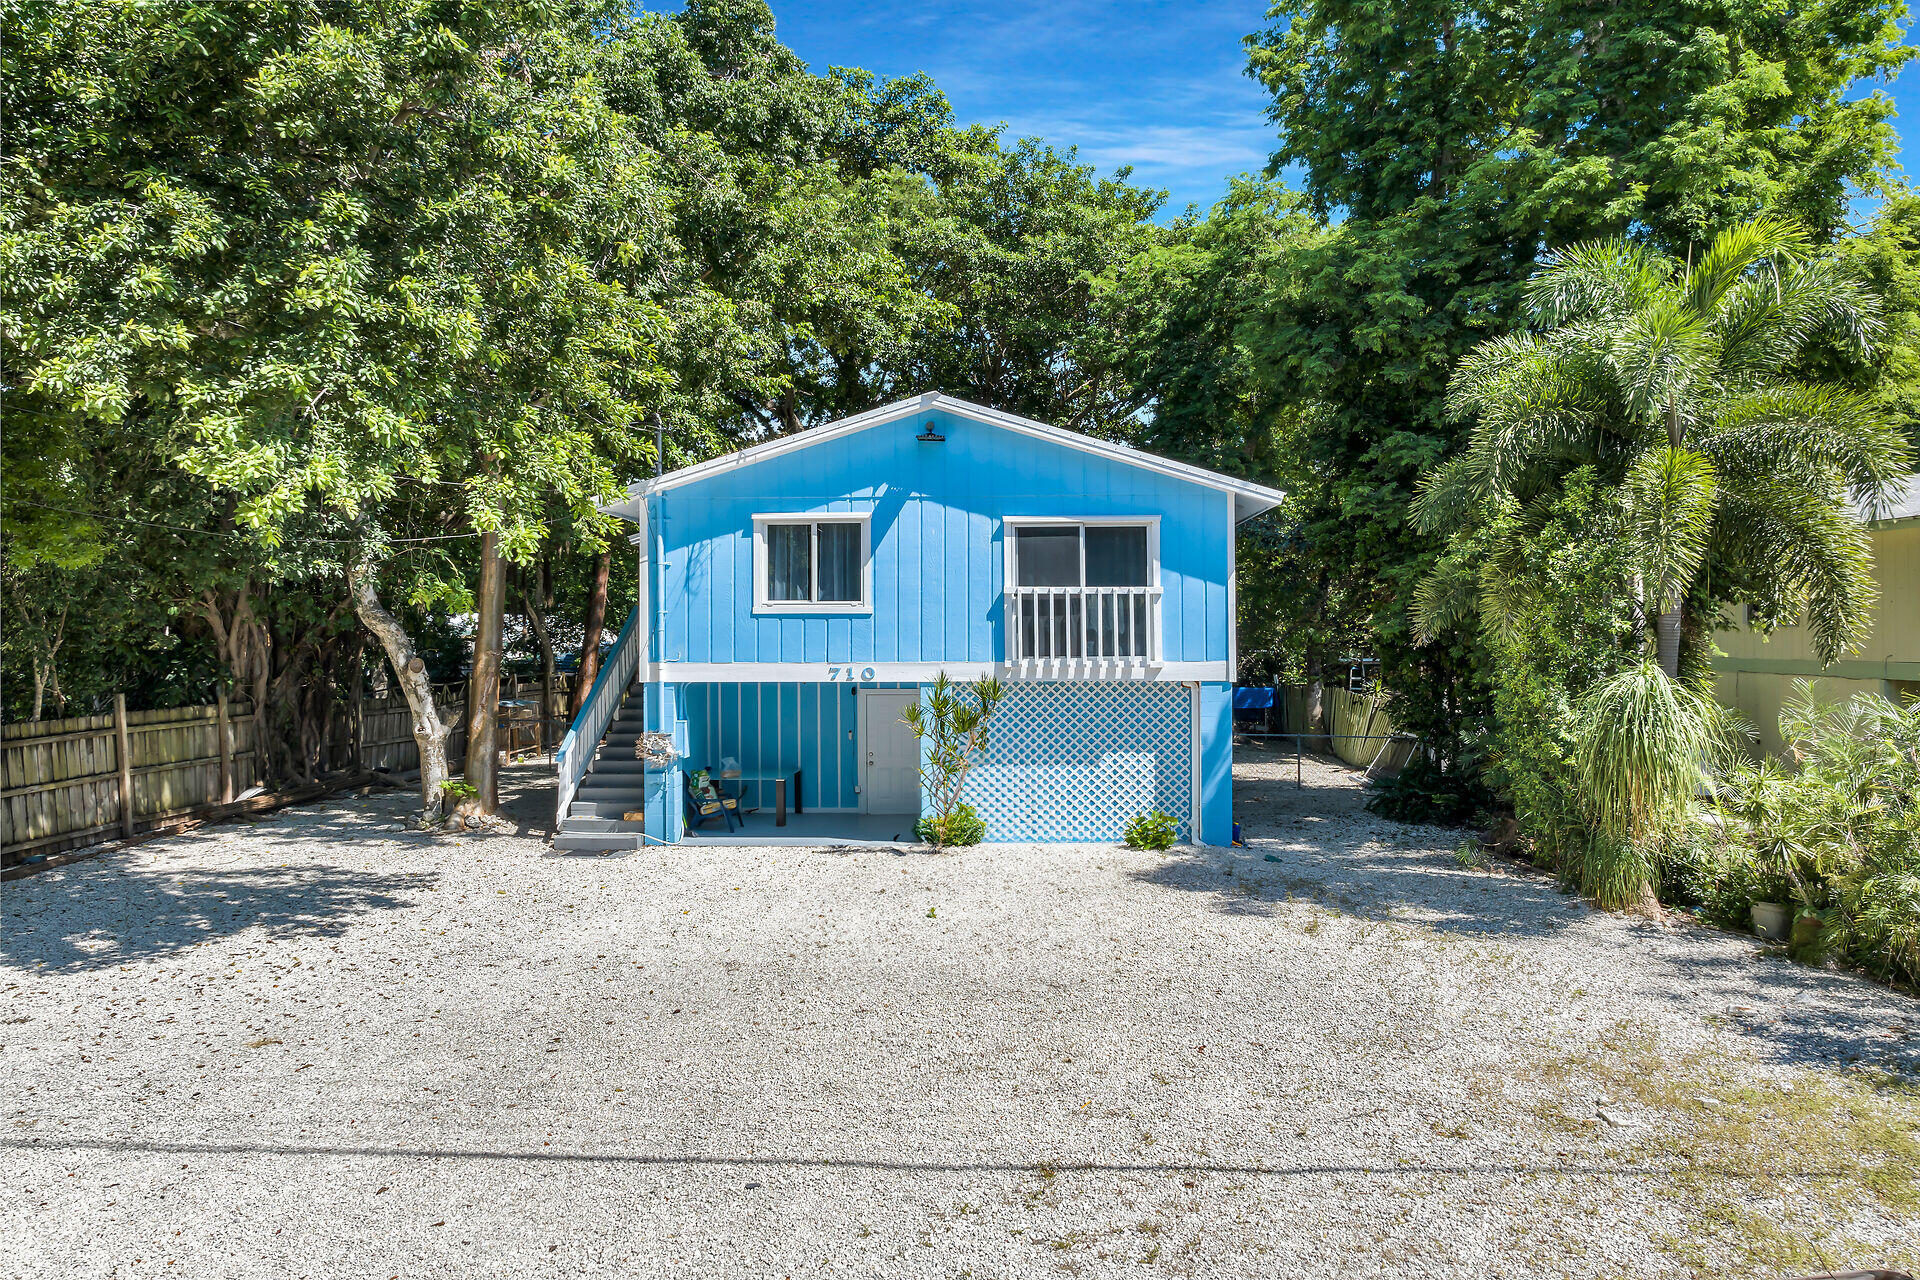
1770	920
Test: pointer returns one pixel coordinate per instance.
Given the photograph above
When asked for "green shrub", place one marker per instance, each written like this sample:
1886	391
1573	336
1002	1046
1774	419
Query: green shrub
1151	831
1688	868
1734	881
950	724
1837	834
1427	792
963	828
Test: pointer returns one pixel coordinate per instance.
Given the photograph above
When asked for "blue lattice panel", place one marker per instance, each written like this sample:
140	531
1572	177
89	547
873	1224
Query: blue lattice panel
1070	762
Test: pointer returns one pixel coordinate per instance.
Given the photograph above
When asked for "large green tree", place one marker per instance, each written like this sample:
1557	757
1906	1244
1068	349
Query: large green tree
332	253
1446	147
1674	380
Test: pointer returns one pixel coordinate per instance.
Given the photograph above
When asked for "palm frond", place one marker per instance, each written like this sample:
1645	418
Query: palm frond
1803	545
1672	492
1476	380
1659	354
1777	243
1452	495
1767	319
1445	599
1595	279
1814	436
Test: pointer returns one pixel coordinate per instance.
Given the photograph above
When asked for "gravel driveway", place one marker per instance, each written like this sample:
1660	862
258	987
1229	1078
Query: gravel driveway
319	1046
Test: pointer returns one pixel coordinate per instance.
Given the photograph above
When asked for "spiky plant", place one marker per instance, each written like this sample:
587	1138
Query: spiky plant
1642	749
1673	379
952	725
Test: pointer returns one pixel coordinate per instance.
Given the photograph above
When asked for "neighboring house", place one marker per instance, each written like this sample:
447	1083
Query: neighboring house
1757	672
796	596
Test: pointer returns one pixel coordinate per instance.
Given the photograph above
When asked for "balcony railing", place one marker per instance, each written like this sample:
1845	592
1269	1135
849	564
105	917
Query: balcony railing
1083	624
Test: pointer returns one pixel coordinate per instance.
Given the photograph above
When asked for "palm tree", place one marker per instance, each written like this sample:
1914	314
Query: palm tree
1674	380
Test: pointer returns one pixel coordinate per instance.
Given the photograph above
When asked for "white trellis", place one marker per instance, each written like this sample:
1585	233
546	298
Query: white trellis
1072	761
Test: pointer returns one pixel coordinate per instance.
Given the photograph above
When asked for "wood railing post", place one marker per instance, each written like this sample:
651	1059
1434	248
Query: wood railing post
121	741
224	728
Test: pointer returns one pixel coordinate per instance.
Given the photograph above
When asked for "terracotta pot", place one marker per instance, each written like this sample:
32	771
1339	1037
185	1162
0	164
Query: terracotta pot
1770	921
1806	930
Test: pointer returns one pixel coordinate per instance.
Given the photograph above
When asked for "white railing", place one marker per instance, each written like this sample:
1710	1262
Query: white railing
1083	624
584	734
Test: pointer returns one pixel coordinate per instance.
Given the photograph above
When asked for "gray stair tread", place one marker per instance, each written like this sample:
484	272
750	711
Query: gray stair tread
596	842
599	826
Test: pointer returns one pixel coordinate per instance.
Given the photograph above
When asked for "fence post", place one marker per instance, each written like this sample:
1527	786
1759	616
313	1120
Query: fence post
225	746
121	741
357	721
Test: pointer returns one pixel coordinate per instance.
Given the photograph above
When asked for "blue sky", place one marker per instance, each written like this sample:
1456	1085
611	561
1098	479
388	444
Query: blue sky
1156	85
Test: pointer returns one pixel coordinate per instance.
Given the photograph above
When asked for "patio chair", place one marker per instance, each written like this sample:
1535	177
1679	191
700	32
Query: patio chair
705	808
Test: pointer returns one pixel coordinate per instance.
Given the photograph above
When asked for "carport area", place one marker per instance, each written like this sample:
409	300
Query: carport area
321	1045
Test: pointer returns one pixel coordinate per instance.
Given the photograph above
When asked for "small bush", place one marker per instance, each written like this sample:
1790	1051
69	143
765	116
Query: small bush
1426	792
1469	854
963	828
1150	831
1835	834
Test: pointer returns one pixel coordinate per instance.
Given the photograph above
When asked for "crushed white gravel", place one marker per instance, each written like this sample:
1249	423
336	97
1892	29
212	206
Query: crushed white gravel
319	1046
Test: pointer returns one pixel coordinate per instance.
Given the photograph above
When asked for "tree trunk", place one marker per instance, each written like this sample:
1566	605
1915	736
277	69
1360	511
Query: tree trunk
589	665
483	693
534	604
1667	633
430	732
1316	698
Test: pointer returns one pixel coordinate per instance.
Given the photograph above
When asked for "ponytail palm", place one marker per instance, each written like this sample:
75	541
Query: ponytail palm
1674	381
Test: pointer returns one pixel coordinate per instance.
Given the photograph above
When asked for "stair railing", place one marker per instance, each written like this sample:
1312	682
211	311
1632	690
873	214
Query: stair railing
596	713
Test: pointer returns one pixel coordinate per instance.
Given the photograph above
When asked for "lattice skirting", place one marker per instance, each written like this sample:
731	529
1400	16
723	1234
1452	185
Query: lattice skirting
1071	762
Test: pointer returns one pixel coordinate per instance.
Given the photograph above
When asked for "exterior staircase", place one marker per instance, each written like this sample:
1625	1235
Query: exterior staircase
612	786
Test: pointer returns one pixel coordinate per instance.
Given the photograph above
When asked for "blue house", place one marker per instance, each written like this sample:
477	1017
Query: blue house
796	596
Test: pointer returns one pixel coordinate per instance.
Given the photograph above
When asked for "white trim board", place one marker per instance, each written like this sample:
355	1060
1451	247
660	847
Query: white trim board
1197	759
1250	499
860	673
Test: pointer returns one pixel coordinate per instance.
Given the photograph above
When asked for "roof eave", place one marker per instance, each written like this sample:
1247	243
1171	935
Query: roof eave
1250	499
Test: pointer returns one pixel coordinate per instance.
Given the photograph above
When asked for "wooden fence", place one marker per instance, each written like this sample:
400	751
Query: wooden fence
1359	724
83	779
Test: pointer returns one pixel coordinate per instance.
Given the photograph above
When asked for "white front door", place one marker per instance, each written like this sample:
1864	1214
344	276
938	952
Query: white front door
890	754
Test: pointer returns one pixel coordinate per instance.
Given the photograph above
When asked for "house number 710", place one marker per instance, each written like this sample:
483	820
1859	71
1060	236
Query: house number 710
851	676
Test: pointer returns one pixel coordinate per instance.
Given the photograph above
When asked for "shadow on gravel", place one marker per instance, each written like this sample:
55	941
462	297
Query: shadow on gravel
1317	845
1383	888
1785	1012
1333	854
158	913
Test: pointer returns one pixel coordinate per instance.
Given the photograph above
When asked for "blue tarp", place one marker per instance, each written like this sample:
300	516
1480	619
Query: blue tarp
1252	699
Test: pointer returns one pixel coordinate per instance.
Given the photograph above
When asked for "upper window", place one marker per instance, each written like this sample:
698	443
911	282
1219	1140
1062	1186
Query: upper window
1082	589
1082	555
810	563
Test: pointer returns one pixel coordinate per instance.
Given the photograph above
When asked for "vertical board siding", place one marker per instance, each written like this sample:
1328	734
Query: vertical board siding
938	538
778	728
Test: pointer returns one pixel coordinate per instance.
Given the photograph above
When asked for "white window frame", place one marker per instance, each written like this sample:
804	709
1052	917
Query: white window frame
761	602
1014	523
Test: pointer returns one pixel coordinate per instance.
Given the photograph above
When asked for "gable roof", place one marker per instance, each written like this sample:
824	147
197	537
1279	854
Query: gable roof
1249	499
